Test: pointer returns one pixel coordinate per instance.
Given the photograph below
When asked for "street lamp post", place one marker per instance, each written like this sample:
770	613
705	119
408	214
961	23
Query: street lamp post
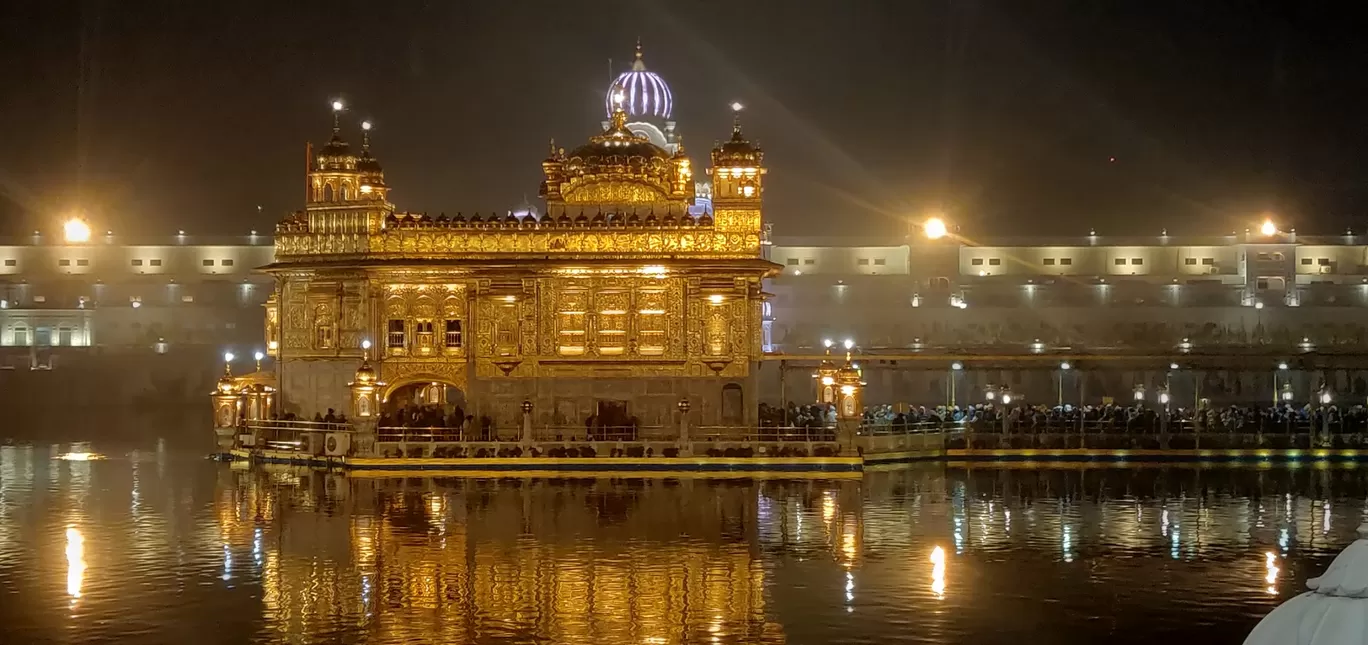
1325	399
1063	368
1282	367
955	368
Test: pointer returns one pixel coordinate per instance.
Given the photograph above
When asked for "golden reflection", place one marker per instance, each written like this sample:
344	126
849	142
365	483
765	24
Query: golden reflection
517	560
1271	566
80	456
938	572
828	506
76	564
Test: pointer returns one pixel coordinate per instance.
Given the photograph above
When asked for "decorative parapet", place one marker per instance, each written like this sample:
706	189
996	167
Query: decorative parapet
618	236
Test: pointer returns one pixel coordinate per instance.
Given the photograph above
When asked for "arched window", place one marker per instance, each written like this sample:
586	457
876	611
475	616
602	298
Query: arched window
327	192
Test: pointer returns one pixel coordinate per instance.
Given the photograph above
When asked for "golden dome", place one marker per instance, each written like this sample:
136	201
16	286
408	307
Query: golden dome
226	383
365	375
618	167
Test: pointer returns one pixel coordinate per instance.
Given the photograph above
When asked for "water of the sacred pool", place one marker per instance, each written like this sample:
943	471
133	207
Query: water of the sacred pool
154	544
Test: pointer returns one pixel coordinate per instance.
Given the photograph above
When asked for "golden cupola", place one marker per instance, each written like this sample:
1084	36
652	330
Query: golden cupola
737	166
372	175
333	173
618	169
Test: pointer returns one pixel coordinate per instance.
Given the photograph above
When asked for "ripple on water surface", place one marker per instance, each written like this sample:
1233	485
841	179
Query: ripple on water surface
152	546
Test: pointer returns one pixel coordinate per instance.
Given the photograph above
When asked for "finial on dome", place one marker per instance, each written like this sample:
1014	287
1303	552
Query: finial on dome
337	107
638	64
365	136
736	107
552	151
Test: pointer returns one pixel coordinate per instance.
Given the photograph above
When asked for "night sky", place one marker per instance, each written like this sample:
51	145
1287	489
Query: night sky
1013	117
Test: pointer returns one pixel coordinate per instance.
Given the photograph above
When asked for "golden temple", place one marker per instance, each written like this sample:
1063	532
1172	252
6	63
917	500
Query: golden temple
619	300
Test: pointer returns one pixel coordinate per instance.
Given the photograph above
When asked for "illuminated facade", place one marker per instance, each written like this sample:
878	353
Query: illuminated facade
615	301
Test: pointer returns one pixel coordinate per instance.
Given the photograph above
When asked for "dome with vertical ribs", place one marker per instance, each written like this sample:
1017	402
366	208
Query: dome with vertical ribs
645	94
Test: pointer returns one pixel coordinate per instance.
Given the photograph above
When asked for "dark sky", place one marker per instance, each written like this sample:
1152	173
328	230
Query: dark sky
158	115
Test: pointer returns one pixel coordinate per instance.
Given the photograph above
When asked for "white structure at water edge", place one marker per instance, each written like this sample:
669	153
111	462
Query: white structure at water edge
1333	612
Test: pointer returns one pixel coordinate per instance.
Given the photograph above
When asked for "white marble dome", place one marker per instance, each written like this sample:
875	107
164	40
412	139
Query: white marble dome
1333	612
644	93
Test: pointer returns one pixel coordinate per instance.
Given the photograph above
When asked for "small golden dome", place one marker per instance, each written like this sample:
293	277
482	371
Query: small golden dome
226	384
365	375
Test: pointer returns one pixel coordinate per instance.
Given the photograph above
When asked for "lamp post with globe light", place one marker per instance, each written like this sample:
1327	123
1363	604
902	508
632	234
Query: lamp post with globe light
1287	385
1064	368
955	368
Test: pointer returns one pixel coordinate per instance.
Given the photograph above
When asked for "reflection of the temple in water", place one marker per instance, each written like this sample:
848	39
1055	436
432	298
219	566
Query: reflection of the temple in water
432	560
667	561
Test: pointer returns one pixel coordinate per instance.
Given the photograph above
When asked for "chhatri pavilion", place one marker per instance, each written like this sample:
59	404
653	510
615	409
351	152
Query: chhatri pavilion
626	294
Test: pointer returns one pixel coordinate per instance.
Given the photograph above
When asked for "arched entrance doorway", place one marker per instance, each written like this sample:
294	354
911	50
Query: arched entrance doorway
424	394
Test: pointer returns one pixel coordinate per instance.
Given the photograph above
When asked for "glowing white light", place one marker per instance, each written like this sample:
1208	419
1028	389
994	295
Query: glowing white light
1258	305
1006	399
366	344
826	342
337	106
1173	366
736	106
1268	228
258	355
957	366
228	357
935	228
76	565
849	343
1164	398
1065	366
80	456
366	125
366	189
273	345
1282	366
1271	569
76	231
715	298
938	572
1326	398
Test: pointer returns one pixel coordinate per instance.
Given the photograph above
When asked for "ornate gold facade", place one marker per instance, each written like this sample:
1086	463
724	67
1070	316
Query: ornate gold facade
615	281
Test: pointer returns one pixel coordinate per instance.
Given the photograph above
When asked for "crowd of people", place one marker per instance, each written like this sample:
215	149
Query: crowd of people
1282	418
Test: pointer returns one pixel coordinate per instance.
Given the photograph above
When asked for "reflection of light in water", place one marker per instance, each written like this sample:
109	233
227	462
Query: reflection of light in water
828	505
1007	516
1271	565
959	537
80	456
1067	545
850	587
1174	535
848	543
938	572
1325	517
76	565
227	562
1284	537
1163	523
256	546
